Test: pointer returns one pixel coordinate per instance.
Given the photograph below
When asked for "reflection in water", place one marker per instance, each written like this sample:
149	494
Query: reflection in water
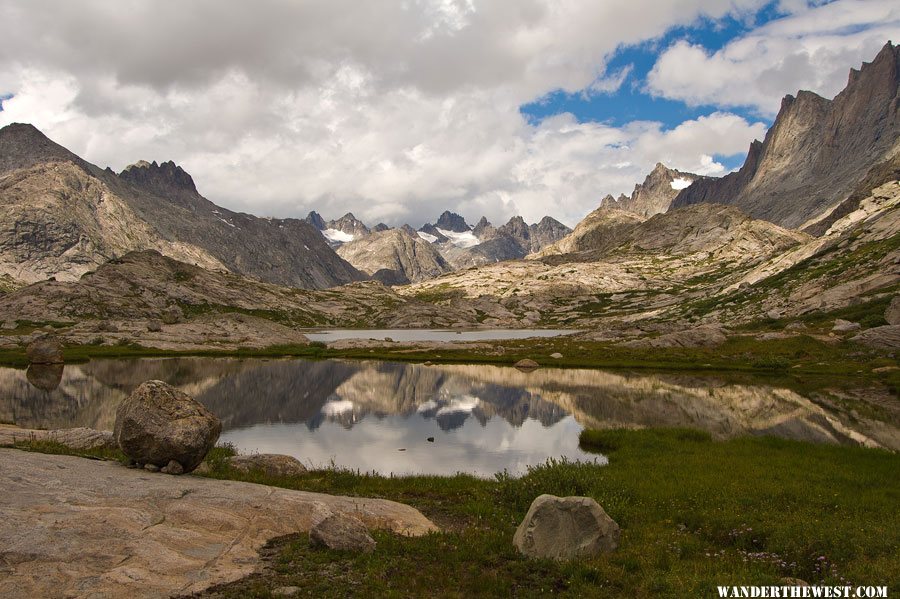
484	418
45	377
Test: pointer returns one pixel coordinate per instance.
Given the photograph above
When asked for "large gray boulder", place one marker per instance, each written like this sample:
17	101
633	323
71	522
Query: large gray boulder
564	528
342	532
157	423
46	349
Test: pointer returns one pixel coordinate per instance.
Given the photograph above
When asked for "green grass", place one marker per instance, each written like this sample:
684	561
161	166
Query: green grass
694	514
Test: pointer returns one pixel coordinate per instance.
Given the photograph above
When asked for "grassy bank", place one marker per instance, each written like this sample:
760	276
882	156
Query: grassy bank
694	514
798	359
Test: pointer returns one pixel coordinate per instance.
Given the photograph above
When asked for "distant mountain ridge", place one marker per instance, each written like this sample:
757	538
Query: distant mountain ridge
63	217
397	258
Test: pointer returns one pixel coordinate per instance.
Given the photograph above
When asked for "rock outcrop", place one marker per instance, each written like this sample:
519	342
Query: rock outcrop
118	532
158	424
817	151
564	528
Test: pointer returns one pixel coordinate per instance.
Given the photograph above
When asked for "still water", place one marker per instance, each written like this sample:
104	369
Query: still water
378	416
406	335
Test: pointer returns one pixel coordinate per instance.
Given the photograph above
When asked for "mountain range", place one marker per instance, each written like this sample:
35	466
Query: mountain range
808	224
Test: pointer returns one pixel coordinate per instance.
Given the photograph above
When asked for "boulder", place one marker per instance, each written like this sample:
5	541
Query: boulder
563	528
154	326
157	423
892	314
46	349
844	326
886	337
527	364
343	532
45	377
270	464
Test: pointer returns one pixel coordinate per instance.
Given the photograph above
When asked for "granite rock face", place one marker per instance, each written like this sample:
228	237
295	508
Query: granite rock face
116	532
817	151
158	423
564	528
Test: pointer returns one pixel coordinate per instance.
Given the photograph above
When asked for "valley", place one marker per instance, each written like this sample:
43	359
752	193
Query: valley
714	354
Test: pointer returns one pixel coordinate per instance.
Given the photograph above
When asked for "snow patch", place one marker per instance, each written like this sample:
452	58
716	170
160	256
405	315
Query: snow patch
336	408
427	237
337	236
680	183
466	239
464	404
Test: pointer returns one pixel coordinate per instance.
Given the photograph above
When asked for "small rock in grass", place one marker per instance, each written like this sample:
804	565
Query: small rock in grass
342	532
556	355
270	464
844	326
285	591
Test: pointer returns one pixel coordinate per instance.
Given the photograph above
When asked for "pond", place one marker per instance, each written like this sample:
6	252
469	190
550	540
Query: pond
407	335
410	418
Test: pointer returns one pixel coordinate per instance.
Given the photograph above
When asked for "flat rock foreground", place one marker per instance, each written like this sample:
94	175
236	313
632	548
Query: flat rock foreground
74	527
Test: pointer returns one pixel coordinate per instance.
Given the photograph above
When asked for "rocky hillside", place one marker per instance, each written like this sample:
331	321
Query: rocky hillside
62	217
606	225
817	152
394	257
147	285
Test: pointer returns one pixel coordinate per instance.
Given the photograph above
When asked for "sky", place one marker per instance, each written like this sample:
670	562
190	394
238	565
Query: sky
399	110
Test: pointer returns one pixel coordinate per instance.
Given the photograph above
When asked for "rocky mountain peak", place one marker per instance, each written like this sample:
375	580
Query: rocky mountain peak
22	145
656	193
516	228
349	224
450	221
316	220
161	179
817	150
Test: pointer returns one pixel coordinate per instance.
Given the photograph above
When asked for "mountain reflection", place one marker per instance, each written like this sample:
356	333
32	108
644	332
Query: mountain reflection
252	392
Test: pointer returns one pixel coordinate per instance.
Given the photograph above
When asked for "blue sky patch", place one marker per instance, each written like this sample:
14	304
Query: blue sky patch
631	102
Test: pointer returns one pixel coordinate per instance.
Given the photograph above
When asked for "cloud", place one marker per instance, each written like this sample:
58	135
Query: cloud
392	110
813	49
